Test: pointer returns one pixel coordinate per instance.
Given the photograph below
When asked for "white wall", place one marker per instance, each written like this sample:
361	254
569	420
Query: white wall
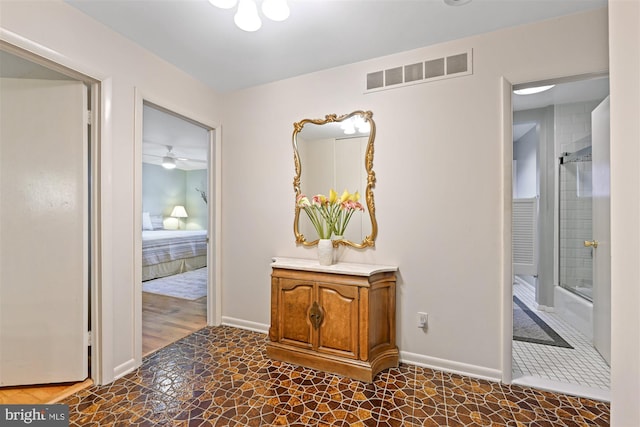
525	153
80	42
624	45
162	189
573	125
438	160
195	205
426	232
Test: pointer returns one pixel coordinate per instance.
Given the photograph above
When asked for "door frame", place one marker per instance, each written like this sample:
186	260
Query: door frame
506	352
507	87
214	176
99	192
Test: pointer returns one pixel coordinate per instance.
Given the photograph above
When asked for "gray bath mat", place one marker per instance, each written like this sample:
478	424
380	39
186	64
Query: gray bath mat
528	327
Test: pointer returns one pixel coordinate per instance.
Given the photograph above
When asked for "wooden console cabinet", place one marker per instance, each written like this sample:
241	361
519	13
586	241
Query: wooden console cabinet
339	318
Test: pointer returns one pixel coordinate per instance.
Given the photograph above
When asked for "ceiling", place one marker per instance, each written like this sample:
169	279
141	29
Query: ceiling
161	130
203	41
567	92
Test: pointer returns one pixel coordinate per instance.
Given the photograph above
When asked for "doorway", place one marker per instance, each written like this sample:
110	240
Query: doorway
49	151
175	226
553	343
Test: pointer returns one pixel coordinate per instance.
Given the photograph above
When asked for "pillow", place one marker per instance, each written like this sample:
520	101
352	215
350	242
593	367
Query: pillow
146	221
157	222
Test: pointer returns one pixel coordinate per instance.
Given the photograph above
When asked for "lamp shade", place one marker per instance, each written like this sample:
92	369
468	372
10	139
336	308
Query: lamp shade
179	212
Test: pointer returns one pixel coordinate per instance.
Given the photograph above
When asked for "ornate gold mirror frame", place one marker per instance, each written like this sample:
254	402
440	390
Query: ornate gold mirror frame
368	240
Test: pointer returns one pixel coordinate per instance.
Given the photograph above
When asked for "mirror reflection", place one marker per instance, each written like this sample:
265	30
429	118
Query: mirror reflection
336	153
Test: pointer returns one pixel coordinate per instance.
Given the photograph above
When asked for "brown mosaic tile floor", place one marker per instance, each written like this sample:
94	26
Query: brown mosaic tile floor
222	377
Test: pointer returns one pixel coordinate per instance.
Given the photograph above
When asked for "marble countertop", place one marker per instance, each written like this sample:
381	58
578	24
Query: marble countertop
339	268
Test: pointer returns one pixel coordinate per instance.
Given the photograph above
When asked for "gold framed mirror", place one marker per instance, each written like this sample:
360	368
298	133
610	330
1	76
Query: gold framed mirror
336	153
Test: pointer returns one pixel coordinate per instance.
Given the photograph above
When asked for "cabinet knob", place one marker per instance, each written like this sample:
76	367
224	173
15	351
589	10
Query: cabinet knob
316	315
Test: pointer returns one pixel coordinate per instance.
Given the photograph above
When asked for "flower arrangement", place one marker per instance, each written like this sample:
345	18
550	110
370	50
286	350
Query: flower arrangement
330	215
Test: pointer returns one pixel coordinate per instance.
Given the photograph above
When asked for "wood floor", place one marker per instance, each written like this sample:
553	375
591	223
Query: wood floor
167	319
164	321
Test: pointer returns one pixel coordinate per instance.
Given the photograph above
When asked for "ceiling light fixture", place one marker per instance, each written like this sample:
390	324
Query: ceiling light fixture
224	4
532	90
169	161
276	10
456	2
247	18
349	125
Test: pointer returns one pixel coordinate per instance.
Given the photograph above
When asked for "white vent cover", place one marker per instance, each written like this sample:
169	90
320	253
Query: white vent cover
459	64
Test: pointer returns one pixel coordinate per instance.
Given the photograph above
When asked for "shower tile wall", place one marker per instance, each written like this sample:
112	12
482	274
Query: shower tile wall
573	125
575	227
572	133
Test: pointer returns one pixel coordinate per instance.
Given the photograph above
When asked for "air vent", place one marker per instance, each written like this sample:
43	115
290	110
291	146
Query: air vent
375	80
413	72
393	76
434	68
459	64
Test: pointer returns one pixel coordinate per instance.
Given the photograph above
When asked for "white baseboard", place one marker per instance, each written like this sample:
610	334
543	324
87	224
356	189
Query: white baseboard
559	387
124	368
245	324
451	366
405	357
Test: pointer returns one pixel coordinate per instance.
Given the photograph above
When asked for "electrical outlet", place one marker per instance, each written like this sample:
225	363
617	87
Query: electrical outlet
422	319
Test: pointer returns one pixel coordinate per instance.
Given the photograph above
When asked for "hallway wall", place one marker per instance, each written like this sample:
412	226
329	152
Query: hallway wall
70	37
440	182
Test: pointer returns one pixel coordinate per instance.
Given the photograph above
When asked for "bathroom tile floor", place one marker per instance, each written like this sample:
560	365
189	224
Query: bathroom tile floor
221	376
581	365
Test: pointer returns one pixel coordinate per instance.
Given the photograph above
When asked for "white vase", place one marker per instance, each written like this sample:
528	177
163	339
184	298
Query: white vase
337	251
325	251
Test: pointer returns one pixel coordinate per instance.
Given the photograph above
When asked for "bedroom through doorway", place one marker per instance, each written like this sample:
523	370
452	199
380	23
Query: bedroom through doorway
175	218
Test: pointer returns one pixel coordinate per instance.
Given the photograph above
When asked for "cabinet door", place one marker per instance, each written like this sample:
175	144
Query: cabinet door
338	333
295	300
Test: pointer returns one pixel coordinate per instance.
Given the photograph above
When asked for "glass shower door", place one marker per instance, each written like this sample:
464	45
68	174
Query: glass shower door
576	260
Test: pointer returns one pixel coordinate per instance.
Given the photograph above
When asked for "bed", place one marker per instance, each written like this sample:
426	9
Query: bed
168	252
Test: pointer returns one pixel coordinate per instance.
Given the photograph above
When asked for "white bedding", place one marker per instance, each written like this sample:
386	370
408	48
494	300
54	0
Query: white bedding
150	235
171	251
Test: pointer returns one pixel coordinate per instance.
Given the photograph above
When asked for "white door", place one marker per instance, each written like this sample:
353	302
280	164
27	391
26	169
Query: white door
43	232
601	230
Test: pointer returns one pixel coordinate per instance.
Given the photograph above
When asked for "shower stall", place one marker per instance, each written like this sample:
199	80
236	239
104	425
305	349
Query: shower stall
575	259
574	296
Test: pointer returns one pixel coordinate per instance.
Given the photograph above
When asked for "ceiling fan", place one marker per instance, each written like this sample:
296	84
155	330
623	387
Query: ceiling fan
169	159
